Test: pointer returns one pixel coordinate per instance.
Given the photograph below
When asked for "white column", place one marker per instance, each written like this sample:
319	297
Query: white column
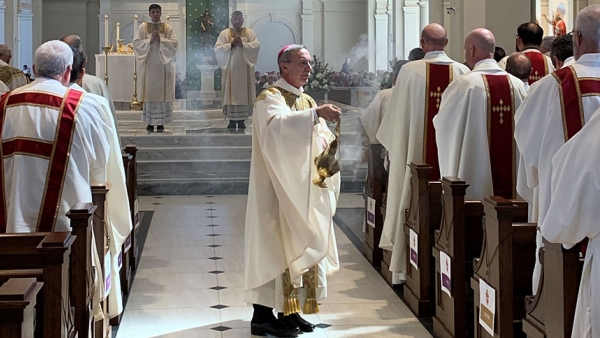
411	26
2	21
424	10
545	9
371	28
399	30
390	37
308	25
24	42
571	15
381	34
436	11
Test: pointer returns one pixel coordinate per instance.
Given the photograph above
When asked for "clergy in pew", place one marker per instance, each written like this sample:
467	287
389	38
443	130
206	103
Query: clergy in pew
474	128
290	243
573	213
117	211
406	131
555	109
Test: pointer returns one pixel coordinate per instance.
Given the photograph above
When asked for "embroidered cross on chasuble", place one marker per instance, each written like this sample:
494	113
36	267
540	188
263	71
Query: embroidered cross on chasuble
160	27
438	79
500	130
56	152
237	33
310	279
539	66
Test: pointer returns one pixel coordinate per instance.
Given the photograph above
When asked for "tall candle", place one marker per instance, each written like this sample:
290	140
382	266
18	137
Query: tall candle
105	30
167	19
118	30
135	25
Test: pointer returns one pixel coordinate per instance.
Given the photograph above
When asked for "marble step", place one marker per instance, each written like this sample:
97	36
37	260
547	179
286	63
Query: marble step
186	153
203	140
188	176
177	115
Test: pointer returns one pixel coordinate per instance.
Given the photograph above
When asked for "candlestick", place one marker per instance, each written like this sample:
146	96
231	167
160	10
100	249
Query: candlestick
105	30
167	19
135	26
118	30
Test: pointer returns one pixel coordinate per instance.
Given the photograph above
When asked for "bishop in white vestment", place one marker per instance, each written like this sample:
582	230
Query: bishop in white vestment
550	115
407	132
237	52
155	47
290	241
573	215
11	76
474	127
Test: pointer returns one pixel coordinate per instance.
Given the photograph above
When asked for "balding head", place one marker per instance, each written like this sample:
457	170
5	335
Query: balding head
586	35
433	38
73	41
519	65
479	45
5	53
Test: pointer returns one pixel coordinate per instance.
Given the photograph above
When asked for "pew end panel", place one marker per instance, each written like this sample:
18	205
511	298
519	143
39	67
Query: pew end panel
134	254
17	302
375	186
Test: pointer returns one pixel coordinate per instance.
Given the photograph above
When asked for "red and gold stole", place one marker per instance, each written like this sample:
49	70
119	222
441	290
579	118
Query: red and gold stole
439	77
539	66
500	124
57	152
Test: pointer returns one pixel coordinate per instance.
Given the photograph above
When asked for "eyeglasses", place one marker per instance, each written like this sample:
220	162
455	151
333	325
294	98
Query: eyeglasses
573	32
303	63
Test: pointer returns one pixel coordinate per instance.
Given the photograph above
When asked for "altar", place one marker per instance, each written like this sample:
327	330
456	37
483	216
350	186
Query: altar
120	75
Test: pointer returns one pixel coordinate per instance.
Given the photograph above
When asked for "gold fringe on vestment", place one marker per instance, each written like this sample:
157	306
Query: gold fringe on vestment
311	281
291	302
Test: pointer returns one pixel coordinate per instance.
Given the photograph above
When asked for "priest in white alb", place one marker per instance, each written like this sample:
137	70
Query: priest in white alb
555	109
290	241
407	133
237	52
474	127
155	47
573	215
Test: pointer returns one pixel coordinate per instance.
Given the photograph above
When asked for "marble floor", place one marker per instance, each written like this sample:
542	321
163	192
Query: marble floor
190	278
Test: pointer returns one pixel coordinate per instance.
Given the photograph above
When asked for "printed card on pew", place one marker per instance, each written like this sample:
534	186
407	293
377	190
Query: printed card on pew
445	268
487	306
127	243
107	272
414	249
136	214
371	212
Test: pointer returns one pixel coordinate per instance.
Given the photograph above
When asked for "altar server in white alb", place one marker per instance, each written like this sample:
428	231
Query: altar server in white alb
290	241
117	202
155	47
407	132
237	52
474	127
573	216
555	109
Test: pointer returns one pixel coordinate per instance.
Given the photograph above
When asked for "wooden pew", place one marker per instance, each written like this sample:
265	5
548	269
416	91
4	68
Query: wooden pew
550	313
374	189
460	237
17	302
125	273
423	218
134	254
504	258
386	254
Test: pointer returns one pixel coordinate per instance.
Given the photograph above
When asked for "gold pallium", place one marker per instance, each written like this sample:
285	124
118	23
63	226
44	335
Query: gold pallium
160	27
501	108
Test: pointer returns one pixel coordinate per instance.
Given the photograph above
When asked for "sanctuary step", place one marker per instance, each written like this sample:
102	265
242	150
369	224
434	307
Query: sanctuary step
198	155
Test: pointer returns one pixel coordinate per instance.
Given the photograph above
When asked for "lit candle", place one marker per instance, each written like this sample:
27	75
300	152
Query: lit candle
135	25
167	19
118	30
106	30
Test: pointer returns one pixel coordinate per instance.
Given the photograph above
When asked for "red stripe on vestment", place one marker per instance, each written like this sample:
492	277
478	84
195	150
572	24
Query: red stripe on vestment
438	78
26	147
3	215
37	99
57	168
500	111
539	66
570	101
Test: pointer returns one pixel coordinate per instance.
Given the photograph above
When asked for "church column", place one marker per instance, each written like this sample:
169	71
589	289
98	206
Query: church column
545	9
307	24
371	29
424	10
398	32
2	21
24	42
411	25
390	35
381	35
436	11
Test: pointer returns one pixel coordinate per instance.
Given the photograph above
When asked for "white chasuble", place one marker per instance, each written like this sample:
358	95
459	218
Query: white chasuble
237	64
371	117
540	132
465	130
573	215
288	218
415	101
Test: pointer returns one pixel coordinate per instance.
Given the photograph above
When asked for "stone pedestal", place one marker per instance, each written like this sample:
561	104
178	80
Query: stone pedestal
207	84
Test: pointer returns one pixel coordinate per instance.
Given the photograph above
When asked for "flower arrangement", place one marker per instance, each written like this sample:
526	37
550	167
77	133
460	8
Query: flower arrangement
320	77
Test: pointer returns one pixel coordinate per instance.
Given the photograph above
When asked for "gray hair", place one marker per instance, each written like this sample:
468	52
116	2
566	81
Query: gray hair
5	50
52	59
288	52
73	41
588	23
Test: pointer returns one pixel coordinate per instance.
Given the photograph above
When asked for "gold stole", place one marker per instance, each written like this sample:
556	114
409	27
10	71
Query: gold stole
235	33
160	27
310	279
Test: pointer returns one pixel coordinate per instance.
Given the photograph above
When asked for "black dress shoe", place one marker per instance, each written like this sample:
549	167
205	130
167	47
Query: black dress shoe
273	329
295	319
231	125
160	129
241	125
150	128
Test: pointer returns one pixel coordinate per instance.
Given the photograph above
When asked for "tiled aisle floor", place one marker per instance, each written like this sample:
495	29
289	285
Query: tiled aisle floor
189	283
